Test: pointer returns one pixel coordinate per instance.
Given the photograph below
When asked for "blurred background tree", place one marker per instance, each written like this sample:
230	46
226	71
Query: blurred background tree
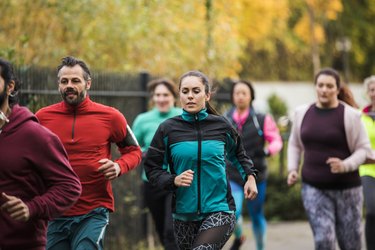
260	40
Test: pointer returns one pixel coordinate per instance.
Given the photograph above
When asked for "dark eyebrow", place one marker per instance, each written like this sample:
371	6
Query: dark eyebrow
195	88
73	78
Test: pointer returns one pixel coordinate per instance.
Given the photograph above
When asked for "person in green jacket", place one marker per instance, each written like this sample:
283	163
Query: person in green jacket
367	171
163	95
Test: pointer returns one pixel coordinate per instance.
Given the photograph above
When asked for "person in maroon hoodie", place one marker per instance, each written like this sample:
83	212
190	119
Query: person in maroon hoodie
37	182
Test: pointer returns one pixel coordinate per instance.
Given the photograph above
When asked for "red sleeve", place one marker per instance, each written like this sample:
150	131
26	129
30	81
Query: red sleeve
127	144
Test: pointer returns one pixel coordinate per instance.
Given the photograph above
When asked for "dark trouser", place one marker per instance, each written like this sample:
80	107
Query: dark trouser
159	202
210	233
368	183
78	232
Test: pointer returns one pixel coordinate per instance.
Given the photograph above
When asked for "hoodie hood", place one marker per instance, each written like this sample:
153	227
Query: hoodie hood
19	116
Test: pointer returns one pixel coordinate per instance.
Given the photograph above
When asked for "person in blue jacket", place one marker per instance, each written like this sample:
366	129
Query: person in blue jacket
196	145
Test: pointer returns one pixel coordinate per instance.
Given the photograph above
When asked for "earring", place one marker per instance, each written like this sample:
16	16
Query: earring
13	94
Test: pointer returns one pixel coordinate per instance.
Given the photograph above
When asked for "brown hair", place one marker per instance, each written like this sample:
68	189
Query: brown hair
329	72
346	95
207	87
169	84
71	61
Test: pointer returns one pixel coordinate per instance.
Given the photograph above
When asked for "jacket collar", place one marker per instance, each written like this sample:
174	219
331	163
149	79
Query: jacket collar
201	115
80	107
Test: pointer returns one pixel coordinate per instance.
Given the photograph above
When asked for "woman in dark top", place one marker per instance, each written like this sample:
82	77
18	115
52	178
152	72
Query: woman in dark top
331	139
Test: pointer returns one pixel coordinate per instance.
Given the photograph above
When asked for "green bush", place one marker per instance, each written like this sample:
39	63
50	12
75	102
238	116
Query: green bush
283	202
278	107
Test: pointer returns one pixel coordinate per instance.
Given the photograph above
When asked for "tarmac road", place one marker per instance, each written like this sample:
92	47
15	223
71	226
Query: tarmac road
295	235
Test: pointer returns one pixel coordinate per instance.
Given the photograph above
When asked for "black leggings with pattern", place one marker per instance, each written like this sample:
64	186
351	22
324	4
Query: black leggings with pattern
211	233
334	215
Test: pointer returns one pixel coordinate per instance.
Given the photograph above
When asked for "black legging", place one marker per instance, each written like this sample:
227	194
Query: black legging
159	202
368	184
211	233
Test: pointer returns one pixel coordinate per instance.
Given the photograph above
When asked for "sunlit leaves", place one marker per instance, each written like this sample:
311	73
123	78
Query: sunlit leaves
167	37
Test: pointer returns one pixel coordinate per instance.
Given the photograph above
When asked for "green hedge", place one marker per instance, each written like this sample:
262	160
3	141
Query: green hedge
283	202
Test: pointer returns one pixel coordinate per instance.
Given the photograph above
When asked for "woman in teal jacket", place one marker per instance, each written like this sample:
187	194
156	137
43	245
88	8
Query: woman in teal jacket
195	145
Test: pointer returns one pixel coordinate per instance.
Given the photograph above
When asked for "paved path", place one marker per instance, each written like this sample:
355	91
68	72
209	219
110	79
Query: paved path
282	236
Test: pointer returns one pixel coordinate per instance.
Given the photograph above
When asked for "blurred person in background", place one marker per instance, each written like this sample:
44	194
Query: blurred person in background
195	146
367	171
163	94
37	182
87	130
261	138
332	141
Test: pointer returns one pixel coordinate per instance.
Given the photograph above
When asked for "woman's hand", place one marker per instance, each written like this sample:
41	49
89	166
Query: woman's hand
292	178
336	165
184	179
250	189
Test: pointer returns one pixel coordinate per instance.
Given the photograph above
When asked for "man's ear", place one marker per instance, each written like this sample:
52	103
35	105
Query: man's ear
88	85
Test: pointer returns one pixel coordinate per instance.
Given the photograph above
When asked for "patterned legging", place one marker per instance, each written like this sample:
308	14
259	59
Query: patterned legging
209	234
334	214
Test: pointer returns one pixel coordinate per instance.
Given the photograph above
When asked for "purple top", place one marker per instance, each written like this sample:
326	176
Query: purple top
323	136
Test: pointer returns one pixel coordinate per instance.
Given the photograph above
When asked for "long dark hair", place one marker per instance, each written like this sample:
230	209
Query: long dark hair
207	87
7	73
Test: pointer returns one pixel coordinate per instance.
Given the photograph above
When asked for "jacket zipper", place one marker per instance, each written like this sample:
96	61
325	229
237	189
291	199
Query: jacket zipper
74	123
199	133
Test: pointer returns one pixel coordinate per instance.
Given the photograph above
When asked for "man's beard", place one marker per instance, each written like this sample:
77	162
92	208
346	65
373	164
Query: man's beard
74	102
